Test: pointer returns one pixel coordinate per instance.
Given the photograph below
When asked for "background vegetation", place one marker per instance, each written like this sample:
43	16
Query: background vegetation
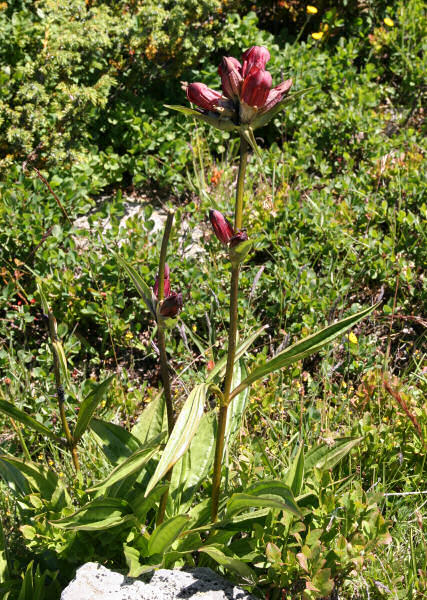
338	218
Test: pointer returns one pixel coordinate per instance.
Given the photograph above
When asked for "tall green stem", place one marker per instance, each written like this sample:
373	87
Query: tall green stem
232	334
163	356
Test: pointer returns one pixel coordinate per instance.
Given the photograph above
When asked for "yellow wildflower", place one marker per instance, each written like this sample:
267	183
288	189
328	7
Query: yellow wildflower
317	35
389	22
311	10
352	338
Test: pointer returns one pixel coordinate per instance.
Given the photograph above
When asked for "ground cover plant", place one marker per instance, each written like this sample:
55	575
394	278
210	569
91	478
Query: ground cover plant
323	474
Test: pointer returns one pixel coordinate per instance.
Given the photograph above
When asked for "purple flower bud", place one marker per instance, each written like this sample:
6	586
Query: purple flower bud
257	56
256	87
230	71
200	94
172	305
221	226
240	236
277	94
166	282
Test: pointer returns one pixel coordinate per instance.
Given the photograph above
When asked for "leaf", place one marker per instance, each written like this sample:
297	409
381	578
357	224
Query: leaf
14	478
295	475
88	407
264	119
326	457
239	502
151	421
116	443
182	434
130	465
141	504
165	534
15	413
142	288
219	369
237	405
267	489
299	350
217	122
3	556
58	348
192	469
231	563
100	514
273	553
39	478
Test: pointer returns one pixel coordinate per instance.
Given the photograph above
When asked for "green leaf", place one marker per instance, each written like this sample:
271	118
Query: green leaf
299	350
116	443
224	124
141	504
142	288
231	563
183	432
239	502
14	478
219	369
193	468
130	465
39	478
326	457
88	407
165	534
237	405
295	475
15	413
100	514
58	348
151	421
3	556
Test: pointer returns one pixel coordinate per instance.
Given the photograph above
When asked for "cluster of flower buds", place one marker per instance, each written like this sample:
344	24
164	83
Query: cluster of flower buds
237	241
248	96
172	303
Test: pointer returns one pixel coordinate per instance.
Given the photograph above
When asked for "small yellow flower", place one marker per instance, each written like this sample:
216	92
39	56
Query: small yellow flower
352	338
194	328
60	474
389	22
317	35
50	462
40	456
311	10
324	27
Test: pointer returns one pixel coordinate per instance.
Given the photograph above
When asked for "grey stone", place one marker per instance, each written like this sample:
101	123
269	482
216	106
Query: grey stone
95	582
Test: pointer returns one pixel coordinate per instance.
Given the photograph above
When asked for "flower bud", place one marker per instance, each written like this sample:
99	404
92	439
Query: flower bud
171	306
221	226
204	97
256	87
257	56
231	78
166	284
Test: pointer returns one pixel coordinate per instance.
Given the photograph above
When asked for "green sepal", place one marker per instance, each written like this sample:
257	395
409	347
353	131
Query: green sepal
217	121
238	253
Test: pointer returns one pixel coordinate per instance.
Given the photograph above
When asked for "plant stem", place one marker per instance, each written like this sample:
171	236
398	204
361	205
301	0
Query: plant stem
164	371
232	333
60	392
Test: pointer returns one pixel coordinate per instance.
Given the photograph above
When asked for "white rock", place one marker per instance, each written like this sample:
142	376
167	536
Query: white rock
95	582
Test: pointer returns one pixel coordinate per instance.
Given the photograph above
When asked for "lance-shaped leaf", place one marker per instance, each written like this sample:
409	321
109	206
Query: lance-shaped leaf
265	493
88	407
152	421
192	469
116	443
231	563
326	457
219	369
222	123
183	432
295	474
131	464
3	557
141	504
165	534
12	411
142	288
39	478
237	405
101	513
299	350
